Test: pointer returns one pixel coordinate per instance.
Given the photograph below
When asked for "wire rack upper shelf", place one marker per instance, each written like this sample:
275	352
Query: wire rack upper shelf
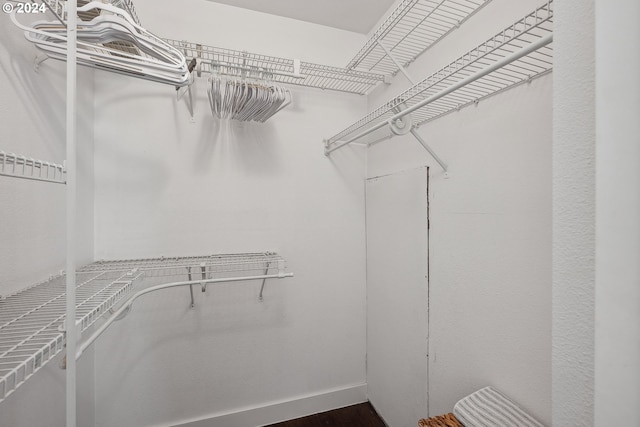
533	28
215	60
17	166
410	29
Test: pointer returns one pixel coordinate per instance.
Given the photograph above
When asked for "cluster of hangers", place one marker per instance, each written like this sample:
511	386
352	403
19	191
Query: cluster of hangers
244	100
109	38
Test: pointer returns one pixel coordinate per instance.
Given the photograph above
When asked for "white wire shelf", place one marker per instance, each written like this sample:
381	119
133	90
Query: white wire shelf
181	266
215	60
447	90
30	320
17	166
412	28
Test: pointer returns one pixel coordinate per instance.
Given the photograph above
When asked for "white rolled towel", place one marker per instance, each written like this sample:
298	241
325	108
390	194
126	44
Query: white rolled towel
488	407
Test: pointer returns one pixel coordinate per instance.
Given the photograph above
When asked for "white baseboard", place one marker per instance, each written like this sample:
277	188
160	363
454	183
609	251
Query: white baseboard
276	412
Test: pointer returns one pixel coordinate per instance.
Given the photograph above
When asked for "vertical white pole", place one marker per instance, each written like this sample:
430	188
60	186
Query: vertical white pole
71	337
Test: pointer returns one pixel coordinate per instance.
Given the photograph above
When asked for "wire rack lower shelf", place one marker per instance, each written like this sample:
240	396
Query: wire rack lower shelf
30	320
219	265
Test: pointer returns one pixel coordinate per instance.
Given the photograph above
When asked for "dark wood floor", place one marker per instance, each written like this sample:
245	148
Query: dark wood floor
362	415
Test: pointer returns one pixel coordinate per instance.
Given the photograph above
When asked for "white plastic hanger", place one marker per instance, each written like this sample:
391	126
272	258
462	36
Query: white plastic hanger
245	100
139	54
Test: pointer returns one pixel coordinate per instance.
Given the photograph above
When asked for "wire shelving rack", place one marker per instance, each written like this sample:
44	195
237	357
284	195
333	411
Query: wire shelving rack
409	30
216	60
32	321
221	61
17	166
464	81
180	266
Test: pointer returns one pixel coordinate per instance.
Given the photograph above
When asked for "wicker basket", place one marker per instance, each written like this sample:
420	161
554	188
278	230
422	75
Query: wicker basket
448	420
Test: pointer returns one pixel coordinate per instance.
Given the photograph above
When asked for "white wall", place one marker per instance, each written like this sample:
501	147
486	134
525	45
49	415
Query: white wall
397	296
490	237
220	25
166	186
617	317
32	214
32	122
574	205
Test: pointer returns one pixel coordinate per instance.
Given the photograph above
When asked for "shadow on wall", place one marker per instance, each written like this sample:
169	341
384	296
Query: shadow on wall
41	93
139	173
250	146
163	328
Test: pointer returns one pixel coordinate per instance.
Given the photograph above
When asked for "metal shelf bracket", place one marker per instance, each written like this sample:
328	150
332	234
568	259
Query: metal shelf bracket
127	305
39	59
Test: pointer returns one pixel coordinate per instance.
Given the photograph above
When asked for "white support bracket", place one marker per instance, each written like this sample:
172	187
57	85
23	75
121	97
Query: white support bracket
442	164
127	304
395	61
199	59
404	125
181	91
39	59
281	275
189	100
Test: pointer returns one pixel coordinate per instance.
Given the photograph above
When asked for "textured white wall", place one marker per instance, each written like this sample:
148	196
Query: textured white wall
490	237
32	123
166	186
32	214
573	213
617	358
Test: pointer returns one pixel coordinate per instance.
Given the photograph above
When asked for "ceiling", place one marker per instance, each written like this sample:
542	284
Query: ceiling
352	15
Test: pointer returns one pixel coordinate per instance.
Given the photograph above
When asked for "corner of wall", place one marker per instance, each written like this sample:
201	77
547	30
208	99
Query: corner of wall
573	214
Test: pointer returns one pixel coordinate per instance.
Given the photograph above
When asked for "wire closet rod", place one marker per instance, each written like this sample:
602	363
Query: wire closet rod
505	61
117	315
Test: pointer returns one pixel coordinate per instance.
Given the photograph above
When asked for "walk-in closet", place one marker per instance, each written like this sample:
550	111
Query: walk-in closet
237	213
